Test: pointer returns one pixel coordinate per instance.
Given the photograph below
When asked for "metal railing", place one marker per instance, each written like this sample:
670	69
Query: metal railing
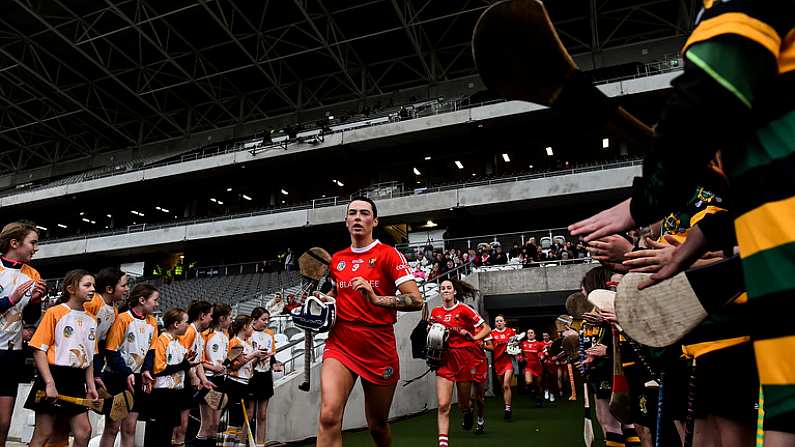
265	266
334	201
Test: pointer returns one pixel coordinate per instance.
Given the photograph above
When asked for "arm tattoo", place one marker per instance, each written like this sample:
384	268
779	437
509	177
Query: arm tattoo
399	302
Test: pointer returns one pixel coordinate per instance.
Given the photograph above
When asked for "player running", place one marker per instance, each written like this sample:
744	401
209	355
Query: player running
503	362
367	277
532	350
463	362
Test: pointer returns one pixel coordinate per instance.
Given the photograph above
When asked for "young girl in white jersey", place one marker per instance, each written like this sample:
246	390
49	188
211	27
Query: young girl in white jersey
261	386
172	361
200	314
111	284
243	357
21	291
64	346
129	350
215	355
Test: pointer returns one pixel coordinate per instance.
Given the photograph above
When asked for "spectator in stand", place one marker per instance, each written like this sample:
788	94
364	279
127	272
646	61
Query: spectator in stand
449	266
276	304
515	252
582	251
500	258
435	271
288	260
292	303
570	249
428	252
532	250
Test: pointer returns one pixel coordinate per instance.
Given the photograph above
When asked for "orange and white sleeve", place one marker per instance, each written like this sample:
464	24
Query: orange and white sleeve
116	334
44	337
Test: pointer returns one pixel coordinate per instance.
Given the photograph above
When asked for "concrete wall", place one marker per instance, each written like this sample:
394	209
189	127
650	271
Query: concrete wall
529	280
293	414
473	196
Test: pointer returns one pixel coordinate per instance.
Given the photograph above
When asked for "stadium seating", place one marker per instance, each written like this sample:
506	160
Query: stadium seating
230	289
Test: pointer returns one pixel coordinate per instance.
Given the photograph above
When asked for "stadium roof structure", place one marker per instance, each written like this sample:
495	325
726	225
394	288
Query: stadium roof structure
83	78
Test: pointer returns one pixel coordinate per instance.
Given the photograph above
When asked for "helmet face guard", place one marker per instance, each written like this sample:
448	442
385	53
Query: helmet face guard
436	345
316	315
514	348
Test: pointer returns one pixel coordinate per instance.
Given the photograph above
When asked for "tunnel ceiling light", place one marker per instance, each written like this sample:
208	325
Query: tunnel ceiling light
549	151
284	191
416	171
506	158
605	143
459	164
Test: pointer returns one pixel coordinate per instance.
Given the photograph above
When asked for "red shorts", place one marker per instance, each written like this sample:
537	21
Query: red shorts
533	368
551	366
368	351
465	364
502	365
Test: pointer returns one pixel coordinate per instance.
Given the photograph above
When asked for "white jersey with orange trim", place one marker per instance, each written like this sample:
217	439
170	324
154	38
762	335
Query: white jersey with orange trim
263	341
68	336
103	312
169	351
193	341
11	320
244	373
216	349
132	337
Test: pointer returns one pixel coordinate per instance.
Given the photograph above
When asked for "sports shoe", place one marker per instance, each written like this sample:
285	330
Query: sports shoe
552	397
480	428
468	421
546	395
507	415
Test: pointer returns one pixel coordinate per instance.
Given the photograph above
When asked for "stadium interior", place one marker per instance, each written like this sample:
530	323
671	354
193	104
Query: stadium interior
215	135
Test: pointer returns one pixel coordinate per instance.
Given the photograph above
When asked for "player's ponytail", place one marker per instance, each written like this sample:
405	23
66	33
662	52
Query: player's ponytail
462	289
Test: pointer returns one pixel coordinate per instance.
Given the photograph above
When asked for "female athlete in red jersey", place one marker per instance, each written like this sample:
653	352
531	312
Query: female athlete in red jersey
532	350
463	362
367	277
503	362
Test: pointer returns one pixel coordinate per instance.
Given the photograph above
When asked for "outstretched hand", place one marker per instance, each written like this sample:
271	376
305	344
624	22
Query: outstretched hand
608	222
683	257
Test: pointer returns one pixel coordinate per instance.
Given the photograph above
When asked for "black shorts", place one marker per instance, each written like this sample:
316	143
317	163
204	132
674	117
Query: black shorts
675	389
236	390
260	387
643	399
13	366
69	382
600	381
727	384
185	398
116	384
218	381
168	415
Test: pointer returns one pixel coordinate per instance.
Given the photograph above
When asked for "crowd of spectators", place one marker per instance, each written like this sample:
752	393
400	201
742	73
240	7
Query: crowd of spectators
433	263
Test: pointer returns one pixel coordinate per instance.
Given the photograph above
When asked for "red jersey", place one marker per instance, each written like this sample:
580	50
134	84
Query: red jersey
460	316
532	351
383	266
500	340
